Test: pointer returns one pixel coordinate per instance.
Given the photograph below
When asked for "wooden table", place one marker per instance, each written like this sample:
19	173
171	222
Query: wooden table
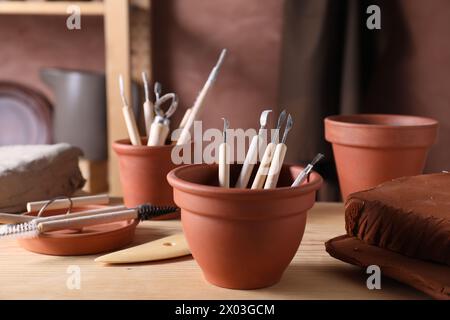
313	274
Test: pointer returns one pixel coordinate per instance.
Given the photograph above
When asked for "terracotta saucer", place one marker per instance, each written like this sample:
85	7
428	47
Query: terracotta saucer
90	240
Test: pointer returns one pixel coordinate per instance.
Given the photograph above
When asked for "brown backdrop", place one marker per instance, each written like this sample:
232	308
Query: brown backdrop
312	57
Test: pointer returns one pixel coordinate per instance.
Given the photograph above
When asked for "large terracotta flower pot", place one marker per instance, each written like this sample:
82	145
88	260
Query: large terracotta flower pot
143	172
373	148
242	238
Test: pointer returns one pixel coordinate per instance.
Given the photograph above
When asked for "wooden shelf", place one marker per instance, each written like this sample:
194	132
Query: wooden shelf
116	15
50	8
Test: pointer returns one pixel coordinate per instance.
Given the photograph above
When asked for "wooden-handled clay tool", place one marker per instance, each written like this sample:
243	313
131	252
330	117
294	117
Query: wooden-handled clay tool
8	218
79	214
166	248
198	104
278	158
128	115
185	118
21	218
305	172
252	155
183	122
69	202
224	163
161	124
148	105
14	218
35	227
264	166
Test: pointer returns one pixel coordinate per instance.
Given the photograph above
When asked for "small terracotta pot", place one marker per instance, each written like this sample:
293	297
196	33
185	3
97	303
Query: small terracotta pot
373	148
143	172
242	238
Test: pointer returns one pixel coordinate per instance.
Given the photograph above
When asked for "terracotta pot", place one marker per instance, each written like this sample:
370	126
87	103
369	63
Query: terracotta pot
242	238
143	172
373	148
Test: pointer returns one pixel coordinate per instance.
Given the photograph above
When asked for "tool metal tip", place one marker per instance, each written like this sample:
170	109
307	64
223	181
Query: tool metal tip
317	158
221	58
264	117
289	124
226	125
157	89
281	119
215	70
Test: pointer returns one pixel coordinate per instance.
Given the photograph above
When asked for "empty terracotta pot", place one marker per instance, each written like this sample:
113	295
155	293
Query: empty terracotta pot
143	172
242	238
373	148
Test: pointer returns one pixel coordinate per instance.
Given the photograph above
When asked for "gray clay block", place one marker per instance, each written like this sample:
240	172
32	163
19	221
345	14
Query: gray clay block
37	172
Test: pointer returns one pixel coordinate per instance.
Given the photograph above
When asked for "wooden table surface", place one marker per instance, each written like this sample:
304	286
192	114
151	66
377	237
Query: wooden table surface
312	274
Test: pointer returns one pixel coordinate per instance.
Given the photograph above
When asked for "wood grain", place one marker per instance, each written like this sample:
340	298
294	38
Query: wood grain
313	274
117	43
50	8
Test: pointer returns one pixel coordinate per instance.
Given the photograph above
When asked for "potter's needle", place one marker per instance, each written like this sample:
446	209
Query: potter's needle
304	174
224	166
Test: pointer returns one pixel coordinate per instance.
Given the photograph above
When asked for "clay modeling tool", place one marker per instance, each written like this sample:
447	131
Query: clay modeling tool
304	174
198	104
34	227
224	165
166	248
39	218
161	124
14	218
278	158
148	105
185	118
182	125
128	115
264	166
252	155
8	218
68	202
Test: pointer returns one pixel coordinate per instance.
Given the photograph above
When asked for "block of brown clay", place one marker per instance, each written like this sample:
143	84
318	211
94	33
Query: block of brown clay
410	216
428	277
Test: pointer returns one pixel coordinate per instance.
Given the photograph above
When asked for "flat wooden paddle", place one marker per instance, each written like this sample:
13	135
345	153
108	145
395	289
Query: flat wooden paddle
166	248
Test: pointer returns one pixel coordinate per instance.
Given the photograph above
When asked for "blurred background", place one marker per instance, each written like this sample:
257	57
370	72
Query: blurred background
313	58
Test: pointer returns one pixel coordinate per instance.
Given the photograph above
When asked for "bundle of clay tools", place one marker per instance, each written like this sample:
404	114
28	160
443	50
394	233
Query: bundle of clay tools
32	226
157	121
272	158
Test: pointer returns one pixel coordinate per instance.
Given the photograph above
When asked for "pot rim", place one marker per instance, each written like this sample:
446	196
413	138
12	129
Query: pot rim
385	131
338	120
124	146
195	188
